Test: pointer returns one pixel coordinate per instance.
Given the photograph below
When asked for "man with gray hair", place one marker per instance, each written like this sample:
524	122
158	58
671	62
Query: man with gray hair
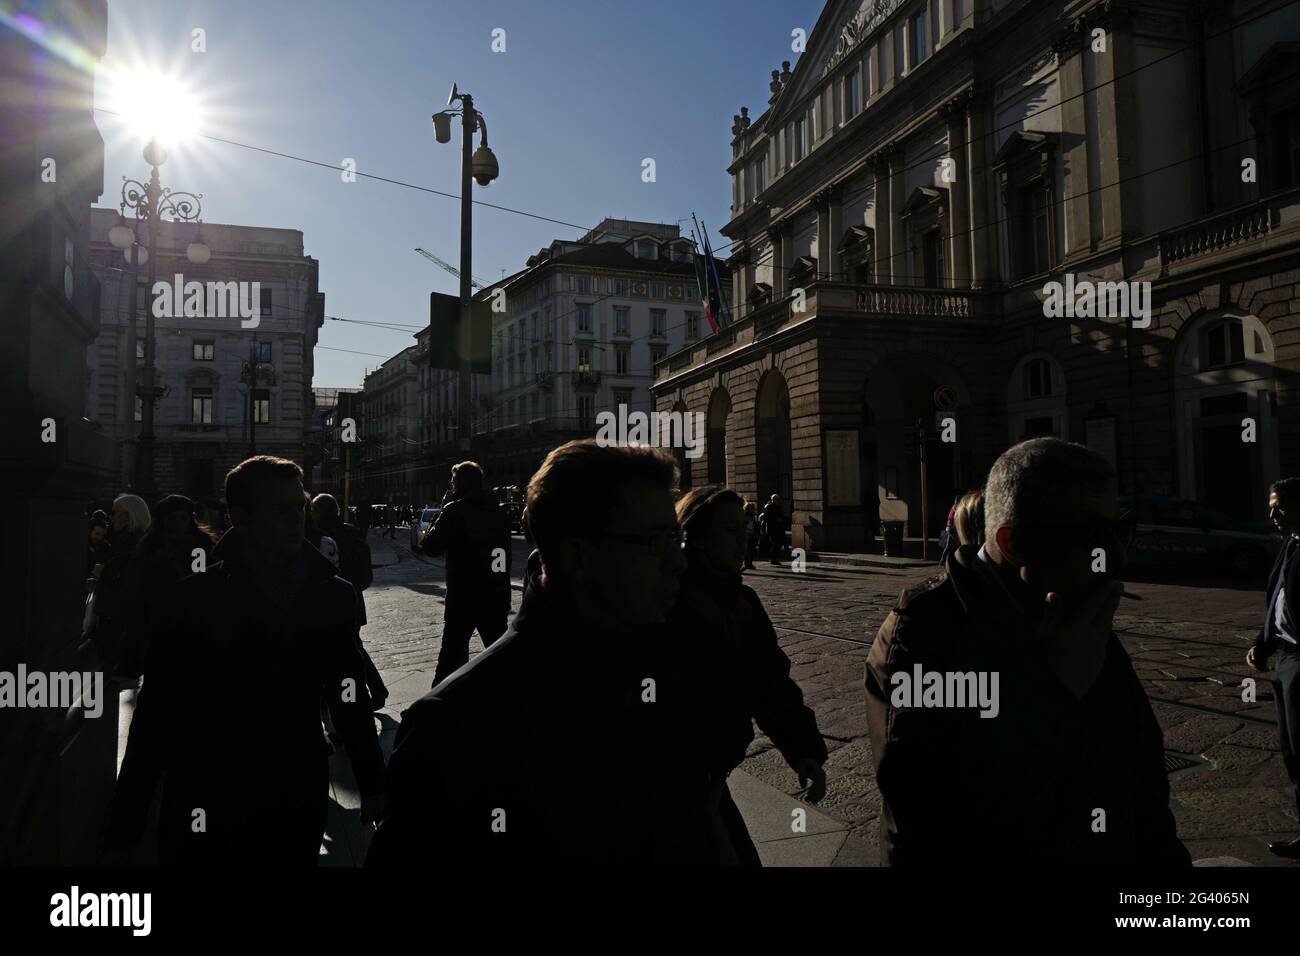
1068	769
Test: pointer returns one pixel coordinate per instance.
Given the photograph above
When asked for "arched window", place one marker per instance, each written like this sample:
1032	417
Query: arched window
1037	378
1036	405
1225	344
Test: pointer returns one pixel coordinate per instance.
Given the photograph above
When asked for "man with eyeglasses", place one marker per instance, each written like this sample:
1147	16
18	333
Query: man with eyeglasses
1279	636
558	745
1064	766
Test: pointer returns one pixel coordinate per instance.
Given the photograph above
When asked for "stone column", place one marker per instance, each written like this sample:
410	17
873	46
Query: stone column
1074	143
958	251
828	234
779	274
901	267
981	220
884	216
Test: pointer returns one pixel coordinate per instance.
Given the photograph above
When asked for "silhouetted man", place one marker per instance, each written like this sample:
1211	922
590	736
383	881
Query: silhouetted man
551	748
474	532
1280	635
229	715
774	526
1006	720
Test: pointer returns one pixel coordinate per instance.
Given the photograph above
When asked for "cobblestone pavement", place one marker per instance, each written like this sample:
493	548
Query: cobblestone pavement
1188	643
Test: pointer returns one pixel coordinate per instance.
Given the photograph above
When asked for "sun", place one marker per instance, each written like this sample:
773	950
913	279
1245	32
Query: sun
155	105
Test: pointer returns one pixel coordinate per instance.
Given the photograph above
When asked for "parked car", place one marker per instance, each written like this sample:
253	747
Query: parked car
1174	534
420	526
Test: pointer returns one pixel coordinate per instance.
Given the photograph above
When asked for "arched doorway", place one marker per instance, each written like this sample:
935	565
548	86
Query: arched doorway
1224	375
774	472
716	447
677	440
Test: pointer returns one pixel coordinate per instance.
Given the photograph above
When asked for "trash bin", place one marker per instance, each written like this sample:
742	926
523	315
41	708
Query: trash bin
893	539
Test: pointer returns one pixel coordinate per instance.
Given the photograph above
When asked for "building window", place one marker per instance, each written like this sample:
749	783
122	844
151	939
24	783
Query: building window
584	318
266	301
800	139
919	28
139	350
850	95
584	284
692	325
203	351
900	44
621	359
262	352
1225	344
261	405
1285	133
658	321
656	290
619	286
760	174
1032	222
201	406
620	320
932	259
1038	378
656	354
1043	426
139	409
586	407
532	325
584	357
547	322
622	396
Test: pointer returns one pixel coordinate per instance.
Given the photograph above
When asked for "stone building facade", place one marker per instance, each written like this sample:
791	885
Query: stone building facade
919	179
202	422
585	322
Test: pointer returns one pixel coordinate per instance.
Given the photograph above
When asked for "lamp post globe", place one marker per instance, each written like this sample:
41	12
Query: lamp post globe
121	236
198	252
154	154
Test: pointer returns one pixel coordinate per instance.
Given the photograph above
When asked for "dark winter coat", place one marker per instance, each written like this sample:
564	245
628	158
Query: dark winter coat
738	674
229	715
469	530
1020	788
548	733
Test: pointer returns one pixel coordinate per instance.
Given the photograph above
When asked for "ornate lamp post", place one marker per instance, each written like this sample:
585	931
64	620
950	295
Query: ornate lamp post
150	203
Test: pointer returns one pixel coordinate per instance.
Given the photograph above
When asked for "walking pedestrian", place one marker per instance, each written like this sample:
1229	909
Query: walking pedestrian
228	718
1279	635
174	547
751	535
1006	719
110	615
948	539
354	567
736	672
773	524
483	773
98	550
473	531
968	519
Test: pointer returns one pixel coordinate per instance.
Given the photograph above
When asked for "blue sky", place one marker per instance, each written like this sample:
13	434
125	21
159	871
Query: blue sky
584	91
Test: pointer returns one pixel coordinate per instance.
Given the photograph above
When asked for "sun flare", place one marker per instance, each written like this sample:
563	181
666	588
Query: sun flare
155	105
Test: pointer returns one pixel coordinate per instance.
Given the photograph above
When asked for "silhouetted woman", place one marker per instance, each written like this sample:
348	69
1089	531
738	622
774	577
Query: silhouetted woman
736	671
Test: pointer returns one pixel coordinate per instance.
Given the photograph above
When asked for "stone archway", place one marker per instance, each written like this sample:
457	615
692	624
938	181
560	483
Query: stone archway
1224	375
774	473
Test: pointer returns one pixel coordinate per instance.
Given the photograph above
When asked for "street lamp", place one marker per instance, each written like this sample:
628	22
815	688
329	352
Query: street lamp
482	166
150	203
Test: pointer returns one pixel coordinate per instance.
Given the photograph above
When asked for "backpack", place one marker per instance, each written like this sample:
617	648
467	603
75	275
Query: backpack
354	558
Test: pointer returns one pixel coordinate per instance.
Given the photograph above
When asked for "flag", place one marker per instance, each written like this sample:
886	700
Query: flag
716	299
705	285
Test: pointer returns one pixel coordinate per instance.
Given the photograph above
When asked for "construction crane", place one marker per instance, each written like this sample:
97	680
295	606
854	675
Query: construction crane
474	283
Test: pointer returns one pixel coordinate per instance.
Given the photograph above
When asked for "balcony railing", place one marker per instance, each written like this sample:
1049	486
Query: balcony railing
1218	232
